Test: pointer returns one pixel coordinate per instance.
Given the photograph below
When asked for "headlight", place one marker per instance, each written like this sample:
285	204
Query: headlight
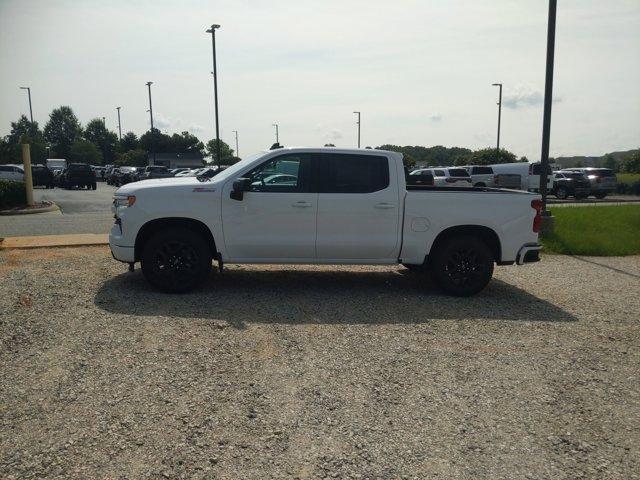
122	201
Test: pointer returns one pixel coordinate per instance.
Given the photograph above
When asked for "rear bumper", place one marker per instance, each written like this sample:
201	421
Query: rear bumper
529	253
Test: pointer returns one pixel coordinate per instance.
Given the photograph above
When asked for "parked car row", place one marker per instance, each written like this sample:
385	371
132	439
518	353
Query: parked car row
72	175
570	182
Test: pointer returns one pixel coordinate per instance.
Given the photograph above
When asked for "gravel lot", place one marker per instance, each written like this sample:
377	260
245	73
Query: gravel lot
312	372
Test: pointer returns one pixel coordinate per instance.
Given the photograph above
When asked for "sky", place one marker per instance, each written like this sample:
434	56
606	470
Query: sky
419	71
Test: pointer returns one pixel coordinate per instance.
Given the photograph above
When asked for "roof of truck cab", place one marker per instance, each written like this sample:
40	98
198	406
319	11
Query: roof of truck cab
361	151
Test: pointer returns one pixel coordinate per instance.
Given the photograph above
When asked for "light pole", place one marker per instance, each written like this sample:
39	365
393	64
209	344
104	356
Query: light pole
499	115
212	31
28	89
277	138
104	122
358	123
548	95
153	149
237	149
119	126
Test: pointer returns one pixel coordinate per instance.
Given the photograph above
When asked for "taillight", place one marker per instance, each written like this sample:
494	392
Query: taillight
537	220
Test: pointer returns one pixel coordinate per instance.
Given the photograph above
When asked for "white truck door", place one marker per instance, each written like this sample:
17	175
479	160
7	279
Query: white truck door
358	207
276	219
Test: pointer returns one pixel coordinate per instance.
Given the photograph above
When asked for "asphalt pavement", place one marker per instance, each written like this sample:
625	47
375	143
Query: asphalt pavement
81	211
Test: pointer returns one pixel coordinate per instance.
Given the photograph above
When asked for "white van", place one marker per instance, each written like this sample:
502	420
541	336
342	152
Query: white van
529	175
56	164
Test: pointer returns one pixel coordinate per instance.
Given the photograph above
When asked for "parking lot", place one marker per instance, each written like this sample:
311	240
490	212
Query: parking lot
314	372
81	211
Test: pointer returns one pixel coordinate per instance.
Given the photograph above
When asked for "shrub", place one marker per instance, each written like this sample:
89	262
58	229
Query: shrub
12	194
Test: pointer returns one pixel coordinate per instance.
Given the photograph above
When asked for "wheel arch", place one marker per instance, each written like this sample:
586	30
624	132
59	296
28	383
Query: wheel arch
487	234
158	224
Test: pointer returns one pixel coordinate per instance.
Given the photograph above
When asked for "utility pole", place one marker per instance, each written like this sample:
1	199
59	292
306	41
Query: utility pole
548	95
358	123
212	31
237	150
28	89
153	147
277	138
499	115
119	126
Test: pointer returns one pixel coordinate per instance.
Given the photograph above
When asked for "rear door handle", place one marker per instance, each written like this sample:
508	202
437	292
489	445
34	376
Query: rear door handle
384	205
301	204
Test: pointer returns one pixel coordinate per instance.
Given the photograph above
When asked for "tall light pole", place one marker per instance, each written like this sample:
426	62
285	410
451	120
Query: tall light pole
237	150
104	122
277	138
153	149
119	125
548	95
499	115
28	89
358	123
212	31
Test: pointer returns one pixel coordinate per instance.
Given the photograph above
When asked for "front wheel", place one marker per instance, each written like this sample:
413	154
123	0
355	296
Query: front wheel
462	266
562	193
176	260
600	195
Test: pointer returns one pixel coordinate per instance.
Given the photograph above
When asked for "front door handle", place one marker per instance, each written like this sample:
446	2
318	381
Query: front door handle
301	204
384	206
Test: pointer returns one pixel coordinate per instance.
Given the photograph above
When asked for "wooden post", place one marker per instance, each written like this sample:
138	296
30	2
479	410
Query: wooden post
28	181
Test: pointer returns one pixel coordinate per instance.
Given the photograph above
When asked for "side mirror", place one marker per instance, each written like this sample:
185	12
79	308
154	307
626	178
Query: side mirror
240	185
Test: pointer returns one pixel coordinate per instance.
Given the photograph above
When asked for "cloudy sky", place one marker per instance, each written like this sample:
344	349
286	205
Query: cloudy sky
420	71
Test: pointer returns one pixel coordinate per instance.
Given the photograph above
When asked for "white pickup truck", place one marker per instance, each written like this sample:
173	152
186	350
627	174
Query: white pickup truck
321	206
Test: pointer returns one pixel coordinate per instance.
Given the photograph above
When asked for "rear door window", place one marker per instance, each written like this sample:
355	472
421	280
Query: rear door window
482	171
458	172
347	173
439	173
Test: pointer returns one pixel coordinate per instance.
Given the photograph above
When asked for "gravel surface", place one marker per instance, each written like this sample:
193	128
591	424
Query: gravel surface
318	372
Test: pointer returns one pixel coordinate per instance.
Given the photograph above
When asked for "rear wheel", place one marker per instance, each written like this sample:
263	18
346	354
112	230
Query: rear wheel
480	185
462	266
176	260
600	195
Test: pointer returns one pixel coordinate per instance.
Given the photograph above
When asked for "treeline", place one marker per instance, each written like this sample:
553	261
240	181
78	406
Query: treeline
64	137
454	156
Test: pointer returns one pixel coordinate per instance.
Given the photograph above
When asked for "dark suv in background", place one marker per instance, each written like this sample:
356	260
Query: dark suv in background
566	184
42	176
78	175
603	180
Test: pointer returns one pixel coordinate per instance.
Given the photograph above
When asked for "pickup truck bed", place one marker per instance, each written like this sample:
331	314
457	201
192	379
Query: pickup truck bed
321	205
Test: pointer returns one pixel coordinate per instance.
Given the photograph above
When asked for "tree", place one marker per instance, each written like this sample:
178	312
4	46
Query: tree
186	143
434	156
156	142
106	141
23	127
133	158
24	131
62	130
524	159
610	162
128	142
408	161
462	159
84	151
489	156
226	153
631	164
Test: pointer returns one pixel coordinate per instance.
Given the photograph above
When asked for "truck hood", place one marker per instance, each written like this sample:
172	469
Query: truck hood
178	183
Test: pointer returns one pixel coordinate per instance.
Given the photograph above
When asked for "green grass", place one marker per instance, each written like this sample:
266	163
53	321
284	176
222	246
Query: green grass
628	177
599	231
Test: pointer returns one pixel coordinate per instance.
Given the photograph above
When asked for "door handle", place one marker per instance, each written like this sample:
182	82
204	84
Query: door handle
301	204
384	206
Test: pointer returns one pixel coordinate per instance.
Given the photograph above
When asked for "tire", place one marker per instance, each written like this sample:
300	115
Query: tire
94	186
462	266
480	185
176	260
562	192
600	195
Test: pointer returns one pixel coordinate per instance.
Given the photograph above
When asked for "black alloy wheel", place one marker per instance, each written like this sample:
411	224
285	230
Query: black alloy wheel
463	265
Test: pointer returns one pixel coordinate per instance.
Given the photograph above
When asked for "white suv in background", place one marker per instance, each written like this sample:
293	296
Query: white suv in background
12	173
481	175
447	176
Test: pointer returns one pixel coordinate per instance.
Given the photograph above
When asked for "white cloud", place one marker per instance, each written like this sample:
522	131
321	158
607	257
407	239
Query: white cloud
333	134
436	117
161	122
525	96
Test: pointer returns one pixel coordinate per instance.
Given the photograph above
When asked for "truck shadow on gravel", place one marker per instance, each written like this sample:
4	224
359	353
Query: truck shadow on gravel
240	296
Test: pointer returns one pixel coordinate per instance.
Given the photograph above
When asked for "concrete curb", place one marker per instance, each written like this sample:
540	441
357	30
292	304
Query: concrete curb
51	241
29	211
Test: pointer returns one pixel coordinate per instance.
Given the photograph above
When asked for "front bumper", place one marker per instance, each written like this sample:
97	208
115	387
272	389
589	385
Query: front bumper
120	252
529	253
